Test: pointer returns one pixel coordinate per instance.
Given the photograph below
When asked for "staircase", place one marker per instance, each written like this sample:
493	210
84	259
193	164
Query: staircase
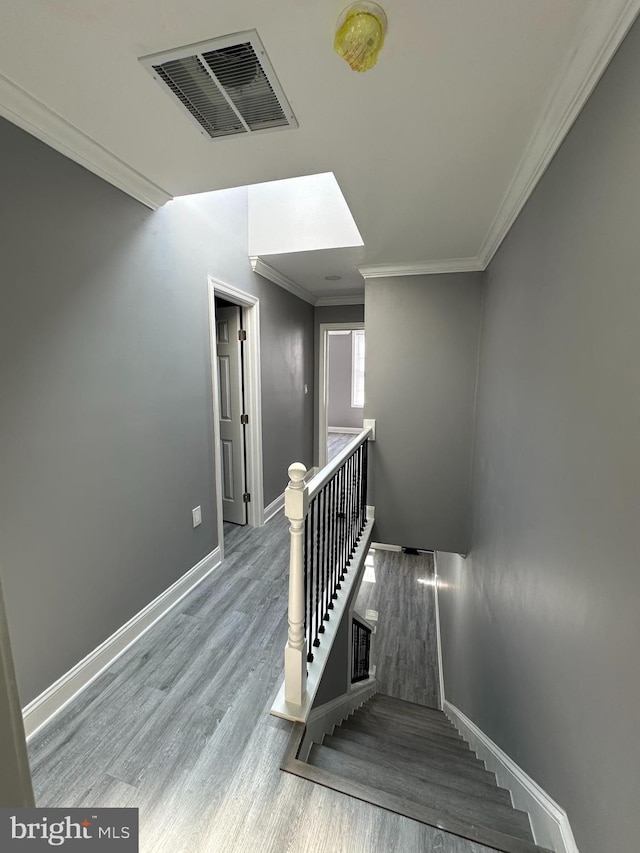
411	760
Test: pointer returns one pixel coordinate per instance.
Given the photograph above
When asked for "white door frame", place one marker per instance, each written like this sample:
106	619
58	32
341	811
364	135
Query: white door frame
253	400
323	385
15	775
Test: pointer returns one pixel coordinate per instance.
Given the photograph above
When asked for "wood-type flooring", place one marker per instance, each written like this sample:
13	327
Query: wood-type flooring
400	587
179	727
337	441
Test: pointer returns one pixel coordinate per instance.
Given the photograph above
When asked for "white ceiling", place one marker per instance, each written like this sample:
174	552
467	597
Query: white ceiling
435	149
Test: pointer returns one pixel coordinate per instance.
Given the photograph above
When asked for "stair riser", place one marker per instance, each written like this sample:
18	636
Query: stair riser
409	740
496	815
448	777
383	701
385	720
427	753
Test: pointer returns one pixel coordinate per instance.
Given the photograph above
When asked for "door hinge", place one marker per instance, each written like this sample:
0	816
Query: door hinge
246	497
242	335
244	419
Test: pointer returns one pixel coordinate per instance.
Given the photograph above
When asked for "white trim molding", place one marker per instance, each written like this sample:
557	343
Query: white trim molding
49	703
323	383
421	268
383	546
267	271
438	637
601	32
274	508
549	821
27	112
253	397
340	299
346	430
603	28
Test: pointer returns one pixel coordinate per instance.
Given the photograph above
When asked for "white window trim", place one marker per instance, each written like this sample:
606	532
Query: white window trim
357	368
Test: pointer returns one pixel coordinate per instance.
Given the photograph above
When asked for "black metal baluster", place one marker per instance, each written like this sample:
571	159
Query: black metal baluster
343	516
308	590
354	512
336	525
318	570
335	568
322	534
365	474
363	491
360	506
349	509
317	616
347	477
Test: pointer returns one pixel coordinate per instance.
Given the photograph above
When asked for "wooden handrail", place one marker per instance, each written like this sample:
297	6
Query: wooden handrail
322	477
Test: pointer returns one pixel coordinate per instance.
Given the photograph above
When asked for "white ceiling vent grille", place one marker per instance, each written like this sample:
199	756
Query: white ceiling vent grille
228	85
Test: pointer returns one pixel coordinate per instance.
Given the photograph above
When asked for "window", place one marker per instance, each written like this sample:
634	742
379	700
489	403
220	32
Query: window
357	368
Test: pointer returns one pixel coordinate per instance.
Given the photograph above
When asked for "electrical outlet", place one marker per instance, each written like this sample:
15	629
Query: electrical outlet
197	516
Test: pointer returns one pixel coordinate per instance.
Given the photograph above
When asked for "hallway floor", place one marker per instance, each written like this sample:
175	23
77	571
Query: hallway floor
179	728
337	441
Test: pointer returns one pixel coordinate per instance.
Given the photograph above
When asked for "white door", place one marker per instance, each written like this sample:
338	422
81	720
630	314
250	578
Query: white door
228	346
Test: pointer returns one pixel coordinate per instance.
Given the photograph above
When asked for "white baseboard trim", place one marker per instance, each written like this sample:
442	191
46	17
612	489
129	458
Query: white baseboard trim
51	701
438	637
349	430
274	508
381	546
549	822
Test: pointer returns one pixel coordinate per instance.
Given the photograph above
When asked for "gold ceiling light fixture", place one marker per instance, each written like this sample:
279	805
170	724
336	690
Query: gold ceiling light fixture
360	35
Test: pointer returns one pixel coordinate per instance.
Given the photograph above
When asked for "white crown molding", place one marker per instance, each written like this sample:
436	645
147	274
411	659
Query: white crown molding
421	268
603	28
22	109
340	299
259	266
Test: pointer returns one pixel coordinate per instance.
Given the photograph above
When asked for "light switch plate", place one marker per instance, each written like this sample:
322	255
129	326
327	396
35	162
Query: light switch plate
196	514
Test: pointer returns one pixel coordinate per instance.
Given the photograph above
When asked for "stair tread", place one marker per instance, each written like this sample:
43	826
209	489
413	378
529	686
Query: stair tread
448	777
407	709
424	813
483	812
426	711
385	720
407	737
465	763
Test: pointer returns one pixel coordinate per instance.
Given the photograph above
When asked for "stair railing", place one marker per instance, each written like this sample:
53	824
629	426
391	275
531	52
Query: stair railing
327	516
360	650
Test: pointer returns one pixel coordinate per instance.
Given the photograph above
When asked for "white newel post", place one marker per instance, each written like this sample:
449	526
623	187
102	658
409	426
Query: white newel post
295	658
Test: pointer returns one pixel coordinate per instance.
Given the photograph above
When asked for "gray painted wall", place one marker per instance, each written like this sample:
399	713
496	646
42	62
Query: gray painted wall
540	625
340	411
287	337
106	435
328	314
422	349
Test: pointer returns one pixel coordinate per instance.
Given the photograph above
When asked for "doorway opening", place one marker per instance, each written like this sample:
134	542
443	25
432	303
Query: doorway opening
234	322
341	386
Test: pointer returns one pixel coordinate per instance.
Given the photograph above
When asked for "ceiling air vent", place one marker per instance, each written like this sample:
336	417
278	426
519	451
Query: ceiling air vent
228	85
